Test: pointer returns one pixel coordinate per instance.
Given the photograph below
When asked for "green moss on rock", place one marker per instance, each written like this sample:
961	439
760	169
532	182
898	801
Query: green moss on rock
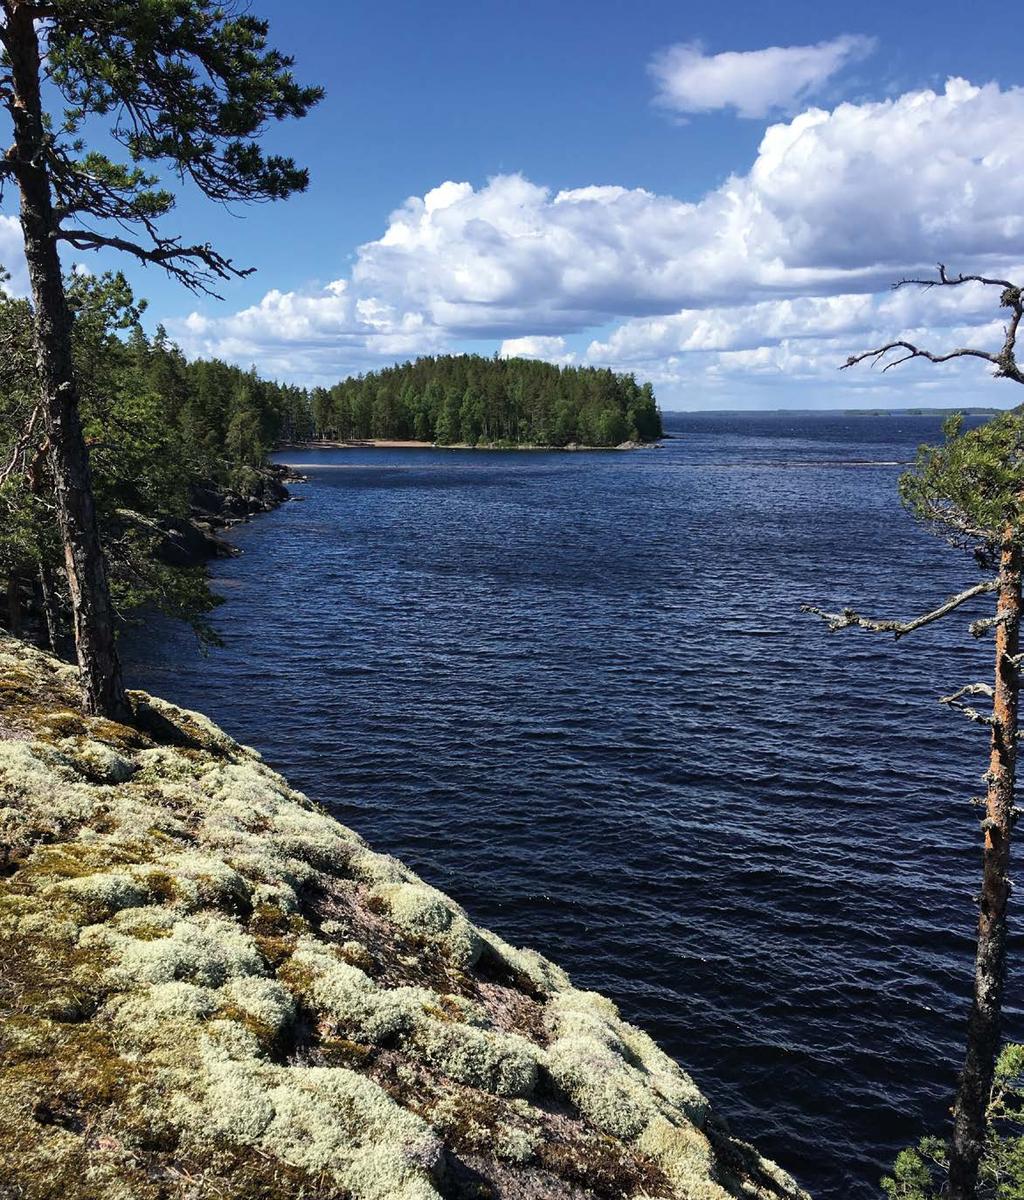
213	988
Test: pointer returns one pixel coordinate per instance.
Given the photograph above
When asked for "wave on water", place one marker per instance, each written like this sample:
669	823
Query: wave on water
580	696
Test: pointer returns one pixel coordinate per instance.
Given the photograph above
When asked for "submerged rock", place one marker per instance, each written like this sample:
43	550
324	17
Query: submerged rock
209	987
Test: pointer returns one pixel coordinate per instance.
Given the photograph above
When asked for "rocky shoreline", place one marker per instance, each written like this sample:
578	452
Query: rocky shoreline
212	988
181	542
395	444
193	540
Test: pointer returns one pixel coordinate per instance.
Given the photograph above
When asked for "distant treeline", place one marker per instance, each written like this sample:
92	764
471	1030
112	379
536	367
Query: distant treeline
472	400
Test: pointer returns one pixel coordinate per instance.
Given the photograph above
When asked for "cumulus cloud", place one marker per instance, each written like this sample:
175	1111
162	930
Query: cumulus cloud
833	201
836	204
317	336
786	345
856	316
753	82
550	349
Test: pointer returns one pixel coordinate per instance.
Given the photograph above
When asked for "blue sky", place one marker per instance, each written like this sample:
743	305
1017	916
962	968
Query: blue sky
714	196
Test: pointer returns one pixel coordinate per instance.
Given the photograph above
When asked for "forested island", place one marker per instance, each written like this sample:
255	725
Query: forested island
179	447
466	399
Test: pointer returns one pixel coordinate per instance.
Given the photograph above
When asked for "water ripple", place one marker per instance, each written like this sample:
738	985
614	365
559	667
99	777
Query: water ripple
577	693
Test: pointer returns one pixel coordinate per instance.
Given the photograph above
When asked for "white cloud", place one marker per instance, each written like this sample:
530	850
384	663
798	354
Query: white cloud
12	256
834	201
551	349
316	336
789	345
835	206
754	82
856	316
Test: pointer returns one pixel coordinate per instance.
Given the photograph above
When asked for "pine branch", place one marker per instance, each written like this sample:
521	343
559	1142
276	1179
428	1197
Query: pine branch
849	618
1004	360
972	714
195	266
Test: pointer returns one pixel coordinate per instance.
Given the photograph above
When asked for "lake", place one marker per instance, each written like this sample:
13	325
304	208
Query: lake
576	692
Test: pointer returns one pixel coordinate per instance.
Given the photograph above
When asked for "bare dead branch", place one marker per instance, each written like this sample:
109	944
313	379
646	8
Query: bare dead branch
17	460
1004	360
972	714
969	689
197	267
915	352
946	280
848	617
140	521
946	516
980	628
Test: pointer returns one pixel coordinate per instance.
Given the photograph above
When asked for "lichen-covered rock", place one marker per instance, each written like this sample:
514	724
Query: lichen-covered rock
426	911
212	988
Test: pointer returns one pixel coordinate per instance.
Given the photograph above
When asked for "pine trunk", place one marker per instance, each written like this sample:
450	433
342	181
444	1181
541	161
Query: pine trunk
50	607
984	1023
102	689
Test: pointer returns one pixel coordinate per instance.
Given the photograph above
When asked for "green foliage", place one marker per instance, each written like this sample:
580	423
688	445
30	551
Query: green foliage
160	430
21	534
447	427
916	1173
920	1172
139	580
970	489
188	85
1010	1070
26	523
471	417
472	400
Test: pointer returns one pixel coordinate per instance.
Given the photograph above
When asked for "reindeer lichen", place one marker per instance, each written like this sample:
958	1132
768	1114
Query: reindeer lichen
211	987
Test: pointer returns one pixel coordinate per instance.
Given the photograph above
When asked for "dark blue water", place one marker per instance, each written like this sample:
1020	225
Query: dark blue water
577	693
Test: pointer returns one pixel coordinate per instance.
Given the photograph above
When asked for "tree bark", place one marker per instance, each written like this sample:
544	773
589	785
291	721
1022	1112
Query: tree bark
92	615
51	609
984	1023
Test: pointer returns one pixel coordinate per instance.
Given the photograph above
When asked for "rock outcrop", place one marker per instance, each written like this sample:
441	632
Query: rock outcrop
211	988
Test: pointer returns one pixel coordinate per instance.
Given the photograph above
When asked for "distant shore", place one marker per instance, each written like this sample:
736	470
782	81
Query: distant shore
398	444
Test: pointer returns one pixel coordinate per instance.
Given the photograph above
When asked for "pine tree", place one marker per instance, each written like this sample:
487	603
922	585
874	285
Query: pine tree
446	430
184	83
471	416
970	491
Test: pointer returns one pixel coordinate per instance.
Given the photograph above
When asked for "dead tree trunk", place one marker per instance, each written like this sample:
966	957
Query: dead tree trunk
983	1027
102	688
